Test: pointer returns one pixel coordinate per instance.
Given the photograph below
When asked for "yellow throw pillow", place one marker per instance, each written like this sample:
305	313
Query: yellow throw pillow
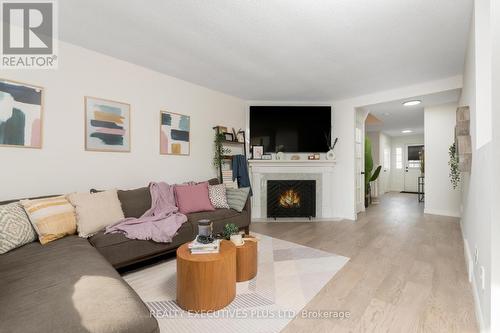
52	218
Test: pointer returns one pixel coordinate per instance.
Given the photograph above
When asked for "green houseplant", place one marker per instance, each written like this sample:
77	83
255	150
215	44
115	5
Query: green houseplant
230	229
219	149
453	163
369	176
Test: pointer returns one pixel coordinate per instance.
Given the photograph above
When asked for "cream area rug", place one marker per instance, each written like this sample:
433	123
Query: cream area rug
288	277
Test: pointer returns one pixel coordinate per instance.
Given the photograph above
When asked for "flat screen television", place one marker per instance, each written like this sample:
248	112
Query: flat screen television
290	129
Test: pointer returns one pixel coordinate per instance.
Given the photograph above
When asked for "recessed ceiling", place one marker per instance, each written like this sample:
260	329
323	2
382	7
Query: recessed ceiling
295	50
395	117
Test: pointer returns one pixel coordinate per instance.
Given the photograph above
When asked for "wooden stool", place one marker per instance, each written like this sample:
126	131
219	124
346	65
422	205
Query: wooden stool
246	260
206	282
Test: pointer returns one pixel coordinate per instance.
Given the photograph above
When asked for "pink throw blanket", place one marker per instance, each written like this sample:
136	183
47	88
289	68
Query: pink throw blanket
160	223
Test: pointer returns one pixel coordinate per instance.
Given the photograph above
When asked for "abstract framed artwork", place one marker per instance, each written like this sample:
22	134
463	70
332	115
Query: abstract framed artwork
21	114
174	133
107	125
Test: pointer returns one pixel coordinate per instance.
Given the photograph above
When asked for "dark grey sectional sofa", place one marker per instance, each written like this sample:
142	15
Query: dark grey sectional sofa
71	285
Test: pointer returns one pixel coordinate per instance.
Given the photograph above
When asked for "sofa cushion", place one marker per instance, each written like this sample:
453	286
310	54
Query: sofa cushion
237	197
193	198
15	227
121	251
95	211
135	202
52	218
217	195
67	286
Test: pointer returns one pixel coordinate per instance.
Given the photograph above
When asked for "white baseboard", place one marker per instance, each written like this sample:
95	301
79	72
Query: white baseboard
472	279
441	212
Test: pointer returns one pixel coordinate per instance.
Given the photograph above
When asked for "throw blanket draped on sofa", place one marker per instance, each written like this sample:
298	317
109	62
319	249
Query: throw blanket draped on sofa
160	223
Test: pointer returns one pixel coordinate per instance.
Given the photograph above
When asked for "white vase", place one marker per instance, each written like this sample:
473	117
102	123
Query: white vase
330	155
237	239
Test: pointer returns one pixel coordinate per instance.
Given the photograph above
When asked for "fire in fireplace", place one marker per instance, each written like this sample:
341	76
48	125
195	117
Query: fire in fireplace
291	198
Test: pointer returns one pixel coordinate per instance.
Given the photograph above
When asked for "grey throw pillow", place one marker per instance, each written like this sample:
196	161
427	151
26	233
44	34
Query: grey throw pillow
237	197
15	227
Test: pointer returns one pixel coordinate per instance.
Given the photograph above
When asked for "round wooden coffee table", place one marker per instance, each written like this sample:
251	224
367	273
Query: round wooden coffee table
246	260
206	282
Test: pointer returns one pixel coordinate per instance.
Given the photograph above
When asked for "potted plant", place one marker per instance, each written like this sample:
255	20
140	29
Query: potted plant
219	149
453	163
230	229
369	176
232	232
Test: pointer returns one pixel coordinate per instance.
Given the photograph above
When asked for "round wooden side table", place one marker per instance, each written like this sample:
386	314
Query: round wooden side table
246	260
206	282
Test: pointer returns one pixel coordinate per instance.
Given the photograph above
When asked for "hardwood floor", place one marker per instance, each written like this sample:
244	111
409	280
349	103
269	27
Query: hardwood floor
406	274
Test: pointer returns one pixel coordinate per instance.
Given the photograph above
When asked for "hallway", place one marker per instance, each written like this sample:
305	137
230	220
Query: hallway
407	270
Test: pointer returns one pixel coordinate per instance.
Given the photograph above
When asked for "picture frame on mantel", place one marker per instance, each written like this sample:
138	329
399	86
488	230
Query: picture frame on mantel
257	152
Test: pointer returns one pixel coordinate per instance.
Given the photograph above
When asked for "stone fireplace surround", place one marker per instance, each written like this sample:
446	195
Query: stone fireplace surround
319	170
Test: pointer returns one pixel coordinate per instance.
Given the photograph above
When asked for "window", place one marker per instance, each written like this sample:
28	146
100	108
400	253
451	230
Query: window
387	159
399	158
414	155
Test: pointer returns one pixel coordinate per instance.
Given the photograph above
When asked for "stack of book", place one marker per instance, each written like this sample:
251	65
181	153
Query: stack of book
227	179
200	248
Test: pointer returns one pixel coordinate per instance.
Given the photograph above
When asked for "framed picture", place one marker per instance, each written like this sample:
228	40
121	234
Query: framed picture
222	129
21	114
228	136
107	125
257	152
174	133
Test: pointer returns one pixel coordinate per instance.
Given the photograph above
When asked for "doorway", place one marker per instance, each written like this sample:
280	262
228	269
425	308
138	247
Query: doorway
413	154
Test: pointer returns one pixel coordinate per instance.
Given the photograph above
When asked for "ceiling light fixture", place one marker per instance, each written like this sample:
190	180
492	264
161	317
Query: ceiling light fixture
412	103
406	131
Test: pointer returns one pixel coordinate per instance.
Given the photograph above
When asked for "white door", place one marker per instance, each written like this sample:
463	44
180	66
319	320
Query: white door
397	172
360	179
386	169
412	167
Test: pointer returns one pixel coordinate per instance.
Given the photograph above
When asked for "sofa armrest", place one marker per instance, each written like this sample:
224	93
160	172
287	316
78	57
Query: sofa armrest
248	205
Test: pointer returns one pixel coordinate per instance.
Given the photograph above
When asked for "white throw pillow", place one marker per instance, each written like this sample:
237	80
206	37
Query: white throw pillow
217	194
96	211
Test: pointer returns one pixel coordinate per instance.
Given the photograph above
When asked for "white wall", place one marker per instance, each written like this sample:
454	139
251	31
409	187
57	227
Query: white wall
385	142
63	165
477	201
440	197
495	226
397	175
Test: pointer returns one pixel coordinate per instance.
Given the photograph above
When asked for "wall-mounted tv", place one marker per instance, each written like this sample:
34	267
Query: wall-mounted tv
291	129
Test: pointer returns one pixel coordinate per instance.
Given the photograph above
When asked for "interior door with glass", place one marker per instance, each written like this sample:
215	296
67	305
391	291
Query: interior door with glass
412	167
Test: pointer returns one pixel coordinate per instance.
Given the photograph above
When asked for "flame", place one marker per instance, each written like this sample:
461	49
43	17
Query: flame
289	199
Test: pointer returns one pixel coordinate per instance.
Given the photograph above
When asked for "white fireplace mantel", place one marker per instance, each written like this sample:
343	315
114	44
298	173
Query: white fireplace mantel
321	170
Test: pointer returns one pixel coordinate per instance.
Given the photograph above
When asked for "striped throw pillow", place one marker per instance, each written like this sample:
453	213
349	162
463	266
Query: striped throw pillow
237	197
52	218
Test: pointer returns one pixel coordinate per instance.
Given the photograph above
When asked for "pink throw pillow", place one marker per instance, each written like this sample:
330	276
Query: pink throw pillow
193	198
